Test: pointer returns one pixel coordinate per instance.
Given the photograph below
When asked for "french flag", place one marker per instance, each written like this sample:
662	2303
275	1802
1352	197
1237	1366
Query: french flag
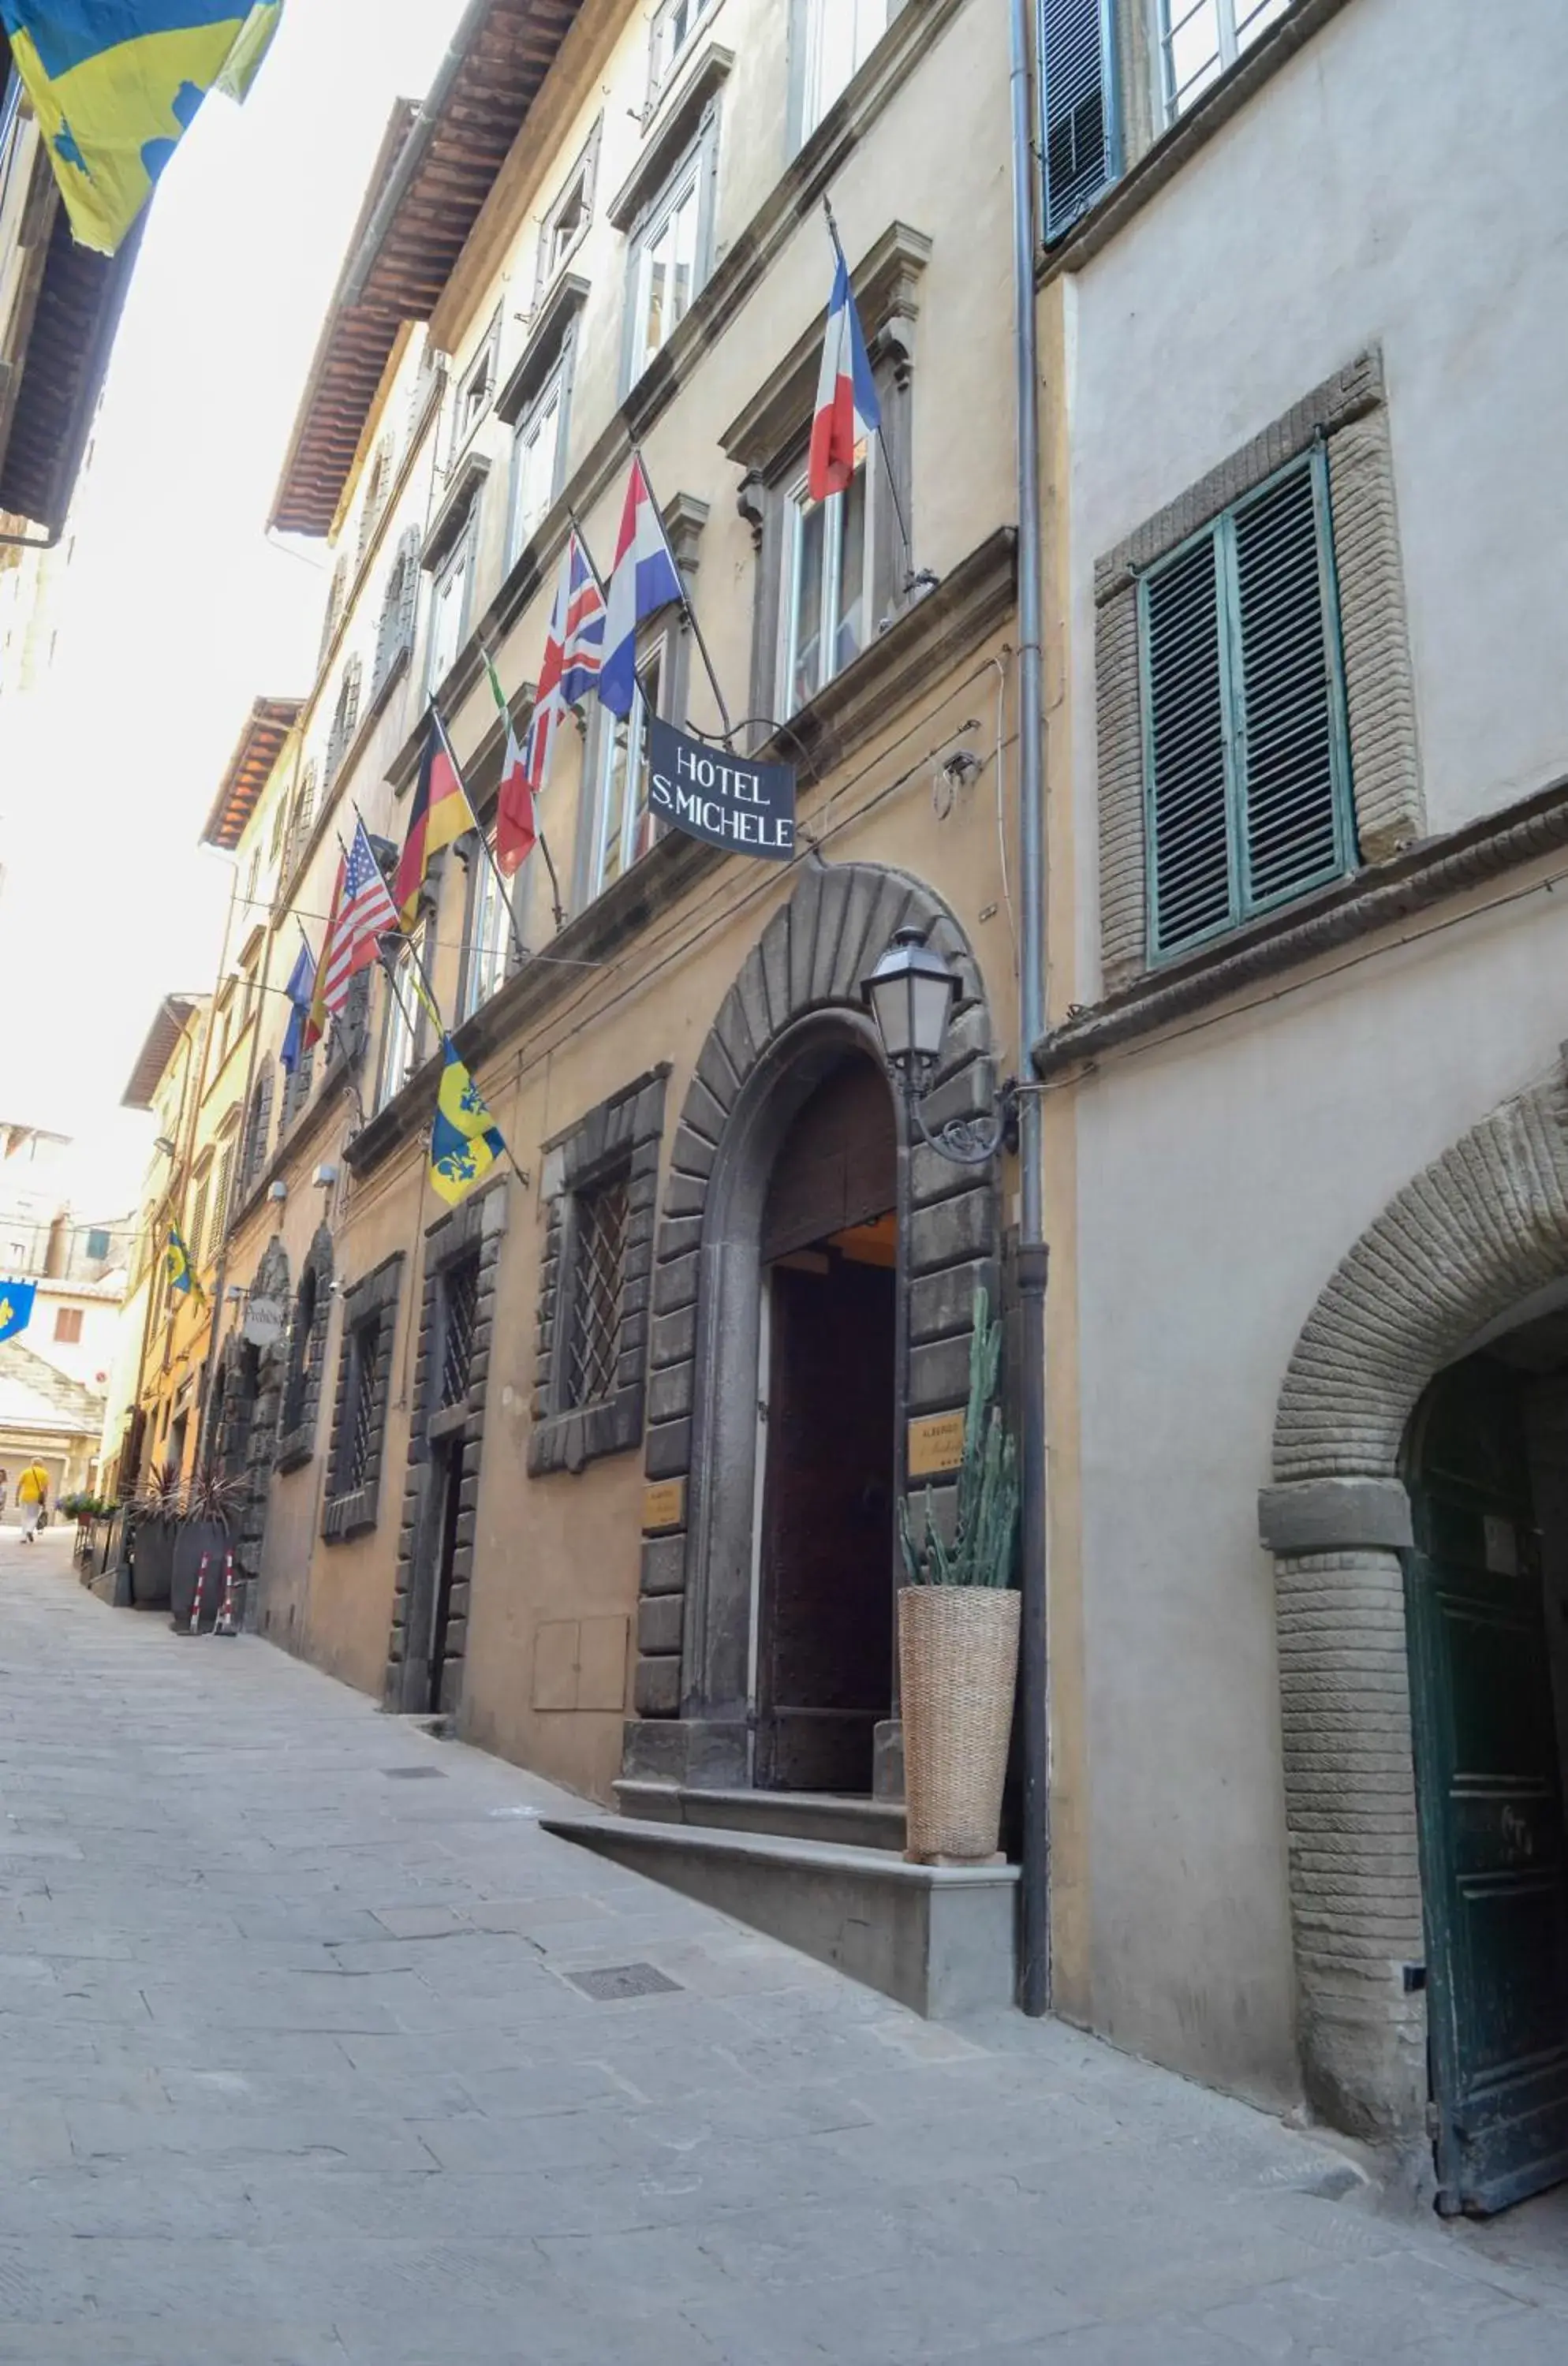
642	581
847	409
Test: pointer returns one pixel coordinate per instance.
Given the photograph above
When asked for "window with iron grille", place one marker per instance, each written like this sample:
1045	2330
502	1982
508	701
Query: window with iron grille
361	1425
459	1314
1245	756
598	1286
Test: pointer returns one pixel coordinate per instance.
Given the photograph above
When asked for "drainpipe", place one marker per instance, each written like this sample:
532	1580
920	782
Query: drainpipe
1034	1982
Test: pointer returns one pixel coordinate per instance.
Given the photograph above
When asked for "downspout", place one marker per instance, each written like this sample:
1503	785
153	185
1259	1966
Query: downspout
1034	1979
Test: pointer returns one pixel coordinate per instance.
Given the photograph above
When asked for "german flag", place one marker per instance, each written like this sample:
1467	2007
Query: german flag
440	813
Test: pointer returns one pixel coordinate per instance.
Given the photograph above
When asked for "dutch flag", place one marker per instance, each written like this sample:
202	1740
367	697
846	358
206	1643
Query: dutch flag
847	409
642	581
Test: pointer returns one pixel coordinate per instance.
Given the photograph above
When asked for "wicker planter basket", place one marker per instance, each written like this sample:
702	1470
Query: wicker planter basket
958	1661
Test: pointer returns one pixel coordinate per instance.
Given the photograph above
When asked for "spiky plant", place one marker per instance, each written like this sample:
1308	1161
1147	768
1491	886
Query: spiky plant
985	1536
214	1496
161	1495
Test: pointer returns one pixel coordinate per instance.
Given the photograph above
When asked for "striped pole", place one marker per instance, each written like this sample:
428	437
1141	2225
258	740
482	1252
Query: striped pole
228	1623
197	1597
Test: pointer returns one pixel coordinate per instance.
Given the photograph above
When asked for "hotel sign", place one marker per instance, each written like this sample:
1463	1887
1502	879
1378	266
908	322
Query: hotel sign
747	808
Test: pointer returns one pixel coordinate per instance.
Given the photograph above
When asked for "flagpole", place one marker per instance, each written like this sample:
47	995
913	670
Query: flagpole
910	578
539	838
687	604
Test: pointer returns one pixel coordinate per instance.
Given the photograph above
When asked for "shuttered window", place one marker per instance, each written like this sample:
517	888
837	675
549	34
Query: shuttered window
1078	88
1247	763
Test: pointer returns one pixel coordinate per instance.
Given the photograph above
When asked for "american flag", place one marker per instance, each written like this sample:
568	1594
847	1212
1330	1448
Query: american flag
365	913
573	649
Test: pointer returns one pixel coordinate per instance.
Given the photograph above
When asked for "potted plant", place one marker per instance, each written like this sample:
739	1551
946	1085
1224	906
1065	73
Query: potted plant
958	1622
155	1512
207	1525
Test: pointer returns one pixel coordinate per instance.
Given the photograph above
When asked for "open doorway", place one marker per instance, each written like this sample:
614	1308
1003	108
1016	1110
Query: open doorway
1487	1604
431	1606
822	1629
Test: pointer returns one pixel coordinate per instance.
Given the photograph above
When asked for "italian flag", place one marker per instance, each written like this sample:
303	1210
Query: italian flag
515	829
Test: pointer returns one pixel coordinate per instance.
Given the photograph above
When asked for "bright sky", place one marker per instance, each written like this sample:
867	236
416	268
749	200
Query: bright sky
175	611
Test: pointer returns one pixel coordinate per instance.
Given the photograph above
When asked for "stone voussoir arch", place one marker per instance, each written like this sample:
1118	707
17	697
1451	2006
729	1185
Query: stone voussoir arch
796	1001
1464	1241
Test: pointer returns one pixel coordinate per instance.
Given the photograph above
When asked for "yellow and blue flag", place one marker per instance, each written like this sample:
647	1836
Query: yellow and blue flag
465	1141
182	1276
115	83
16	1306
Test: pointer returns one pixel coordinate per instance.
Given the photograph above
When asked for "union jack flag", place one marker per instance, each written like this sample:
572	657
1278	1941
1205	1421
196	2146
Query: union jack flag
574	648
363	915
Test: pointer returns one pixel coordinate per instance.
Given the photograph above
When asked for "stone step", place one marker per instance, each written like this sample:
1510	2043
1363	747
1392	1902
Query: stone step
854	1821
940	1939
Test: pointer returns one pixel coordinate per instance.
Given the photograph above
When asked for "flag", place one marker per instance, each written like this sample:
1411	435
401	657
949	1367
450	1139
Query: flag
642	581
515	829
574	648
847	409
301	992
465	1141
317	1016
362	916
182	1277
440	812
115	83
16	1306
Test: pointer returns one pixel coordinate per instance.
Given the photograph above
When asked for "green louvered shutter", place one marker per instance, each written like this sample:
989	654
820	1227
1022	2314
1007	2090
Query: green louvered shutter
1288	754
1077	107
1191	884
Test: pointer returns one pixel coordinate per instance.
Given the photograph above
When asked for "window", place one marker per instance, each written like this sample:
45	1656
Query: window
375	494
307	1347
1077	84
257	1133
400	607
488	944
98	1245
68	1325
665	264
601	1182
624	830
1247	771
459	1317
197	1241
279	816
536	462
1201	38
838	36
345	719
252	875
360	1416
827	579
402	1026
449	613
475	388
335	598
673	25
299	823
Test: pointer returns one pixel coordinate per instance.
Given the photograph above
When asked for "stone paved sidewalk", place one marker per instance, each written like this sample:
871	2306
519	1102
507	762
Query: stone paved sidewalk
294	2072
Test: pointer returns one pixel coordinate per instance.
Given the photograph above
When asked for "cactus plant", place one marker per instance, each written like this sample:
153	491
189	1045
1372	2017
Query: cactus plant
984	1538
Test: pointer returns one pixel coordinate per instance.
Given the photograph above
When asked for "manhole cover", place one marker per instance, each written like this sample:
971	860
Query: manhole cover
415	1774
613	1981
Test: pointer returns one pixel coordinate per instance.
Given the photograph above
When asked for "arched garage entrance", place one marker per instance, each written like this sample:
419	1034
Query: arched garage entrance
1416	1505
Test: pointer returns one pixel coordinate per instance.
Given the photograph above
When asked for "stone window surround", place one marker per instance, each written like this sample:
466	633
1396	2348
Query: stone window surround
768	438
295	1447
374	1298
476	1226
1347	413
640	206
623	1131
584	164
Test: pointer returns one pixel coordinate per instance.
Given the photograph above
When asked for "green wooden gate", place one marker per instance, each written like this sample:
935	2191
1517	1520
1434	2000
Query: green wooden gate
1495	1872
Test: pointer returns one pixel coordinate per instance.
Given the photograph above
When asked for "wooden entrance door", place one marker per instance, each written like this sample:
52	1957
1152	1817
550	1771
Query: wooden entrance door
430	1608
1489	1790
825	1658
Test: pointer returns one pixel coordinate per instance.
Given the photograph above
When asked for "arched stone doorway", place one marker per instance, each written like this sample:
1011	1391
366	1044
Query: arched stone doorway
1460	1255
791	1033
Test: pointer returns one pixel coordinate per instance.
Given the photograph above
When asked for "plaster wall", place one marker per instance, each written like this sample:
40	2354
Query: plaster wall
1331	213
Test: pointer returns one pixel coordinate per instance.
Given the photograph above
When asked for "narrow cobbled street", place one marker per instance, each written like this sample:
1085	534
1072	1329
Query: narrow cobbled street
303	2064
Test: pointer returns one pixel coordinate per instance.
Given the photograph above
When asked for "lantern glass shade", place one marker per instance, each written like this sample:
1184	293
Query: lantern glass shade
911	992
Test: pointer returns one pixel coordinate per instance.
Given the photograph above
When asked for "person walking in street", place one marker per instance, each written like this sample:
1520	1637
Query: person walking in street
32	1499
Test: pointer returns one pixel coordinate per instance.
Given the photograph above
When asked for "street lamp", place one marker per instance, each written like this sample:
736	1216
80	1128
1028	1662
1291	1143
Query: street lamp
911	993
